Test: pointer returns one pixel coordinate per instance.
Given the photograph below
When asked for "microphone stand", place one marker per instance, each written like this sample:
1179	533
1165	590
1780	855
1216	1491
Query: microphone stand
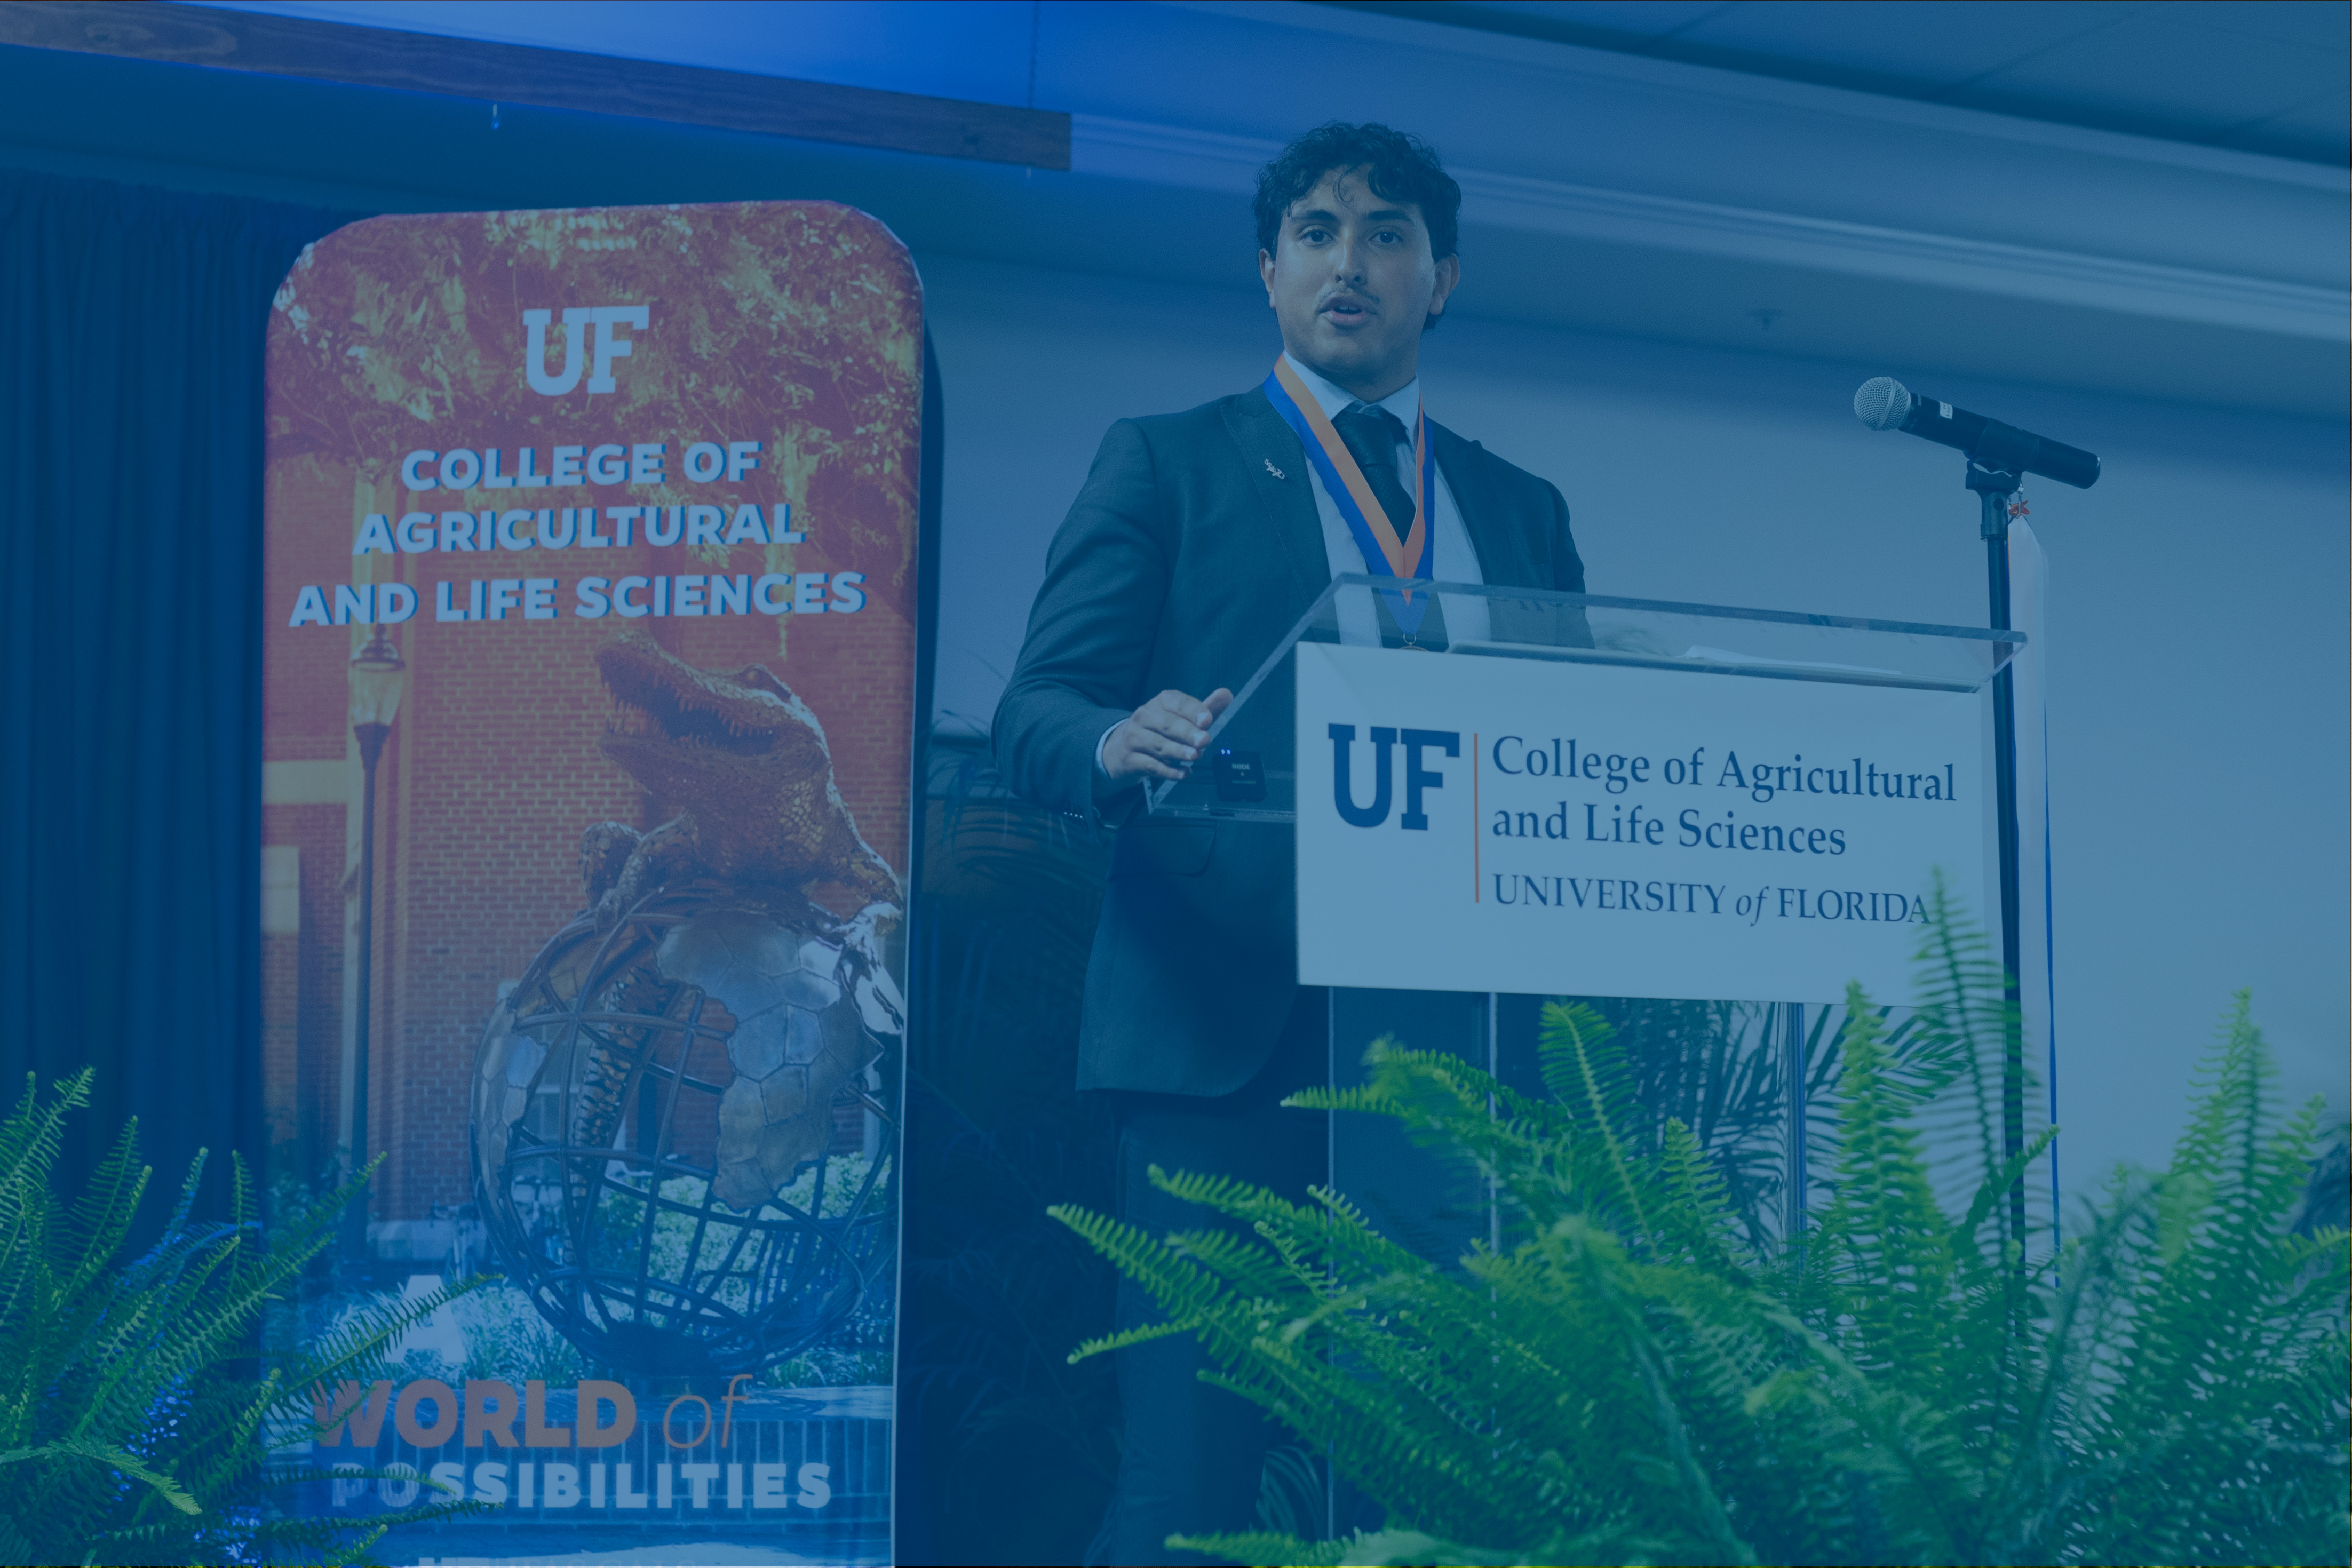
1994	488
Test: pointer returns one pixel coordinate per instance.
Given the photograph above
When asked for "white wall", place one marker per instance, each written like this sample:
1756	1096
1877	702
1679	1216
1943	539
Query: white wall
2198	625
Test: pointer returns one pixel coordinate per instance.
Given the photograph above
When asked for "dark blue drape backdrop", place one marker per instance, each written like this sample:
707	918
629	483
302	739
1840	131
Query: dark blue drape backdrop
132	324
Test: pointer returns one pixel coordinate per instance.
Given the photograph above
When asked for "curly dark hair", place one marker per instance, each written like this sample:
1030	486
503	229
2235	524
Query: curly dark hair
1400	167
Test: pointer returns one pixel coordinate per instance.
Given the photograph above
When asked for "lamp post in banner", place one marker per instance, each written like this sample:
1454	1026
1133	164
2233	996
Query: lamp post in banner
377	672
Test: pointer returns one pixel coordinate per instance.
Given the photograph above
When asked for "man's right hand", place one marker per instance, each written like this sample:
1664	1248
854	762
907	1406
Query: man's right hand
1159	739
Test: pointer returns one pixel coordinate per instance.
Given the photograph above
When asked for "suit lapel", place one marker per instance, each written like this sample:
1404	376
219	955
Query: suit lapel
1504	559
1276	465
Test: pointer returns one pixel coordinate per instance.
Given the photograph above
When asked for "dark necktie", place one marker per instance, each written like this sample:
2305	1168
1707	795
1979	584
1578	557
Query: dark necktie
1373	434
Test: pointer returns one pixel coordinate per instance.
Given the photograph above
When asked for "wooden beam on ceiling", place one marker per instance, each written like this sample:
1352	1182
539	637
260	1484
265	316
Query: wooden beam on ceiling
544	78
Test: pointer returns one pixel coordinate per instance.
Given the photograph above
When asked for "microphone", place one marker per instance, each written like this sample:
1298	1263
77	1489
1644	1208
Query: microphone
1885	403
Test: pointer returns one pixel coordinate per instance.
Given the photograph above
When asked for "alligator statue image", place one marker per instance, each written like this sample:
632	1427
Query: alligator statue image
759	825
680	1123
746	762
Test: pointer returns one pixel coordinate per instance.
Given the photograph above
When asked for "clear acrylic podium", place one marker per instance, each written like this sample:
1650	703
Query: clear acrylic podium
1740	1075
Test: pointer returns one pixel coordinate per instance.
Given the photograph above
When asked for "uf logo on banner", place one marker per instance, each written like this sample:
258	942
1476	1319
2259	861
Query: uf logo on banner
1416	778
610	345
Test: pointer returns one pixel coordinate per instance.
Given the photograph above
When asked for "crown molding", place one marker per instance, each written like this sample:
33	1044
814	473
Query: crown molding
1573	63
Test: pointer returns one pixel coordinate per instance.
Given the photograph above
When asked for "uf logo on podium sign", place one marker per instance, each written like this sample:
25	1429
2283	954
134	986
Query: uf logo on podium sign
1416	776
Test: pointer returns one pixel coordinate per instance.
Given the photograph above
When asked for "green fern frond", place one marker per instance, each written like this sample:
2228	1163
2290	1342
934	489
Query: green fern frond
1996	1186
1103	1345
1367	1098
98	1221
1589	1081
1573	1030
108	1455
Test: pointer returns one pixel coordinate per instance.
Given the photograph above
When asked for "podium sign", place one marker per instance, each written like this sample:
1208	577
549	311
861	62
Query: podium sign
1479	824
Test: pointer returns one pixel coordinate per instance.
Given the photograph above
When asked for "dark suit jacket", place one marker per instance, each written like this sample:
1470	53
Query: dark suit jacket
1182	564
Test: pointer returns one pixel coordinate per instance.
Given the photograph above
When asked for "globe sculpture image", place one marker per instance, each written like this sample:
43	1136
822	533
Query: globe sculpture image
683	1133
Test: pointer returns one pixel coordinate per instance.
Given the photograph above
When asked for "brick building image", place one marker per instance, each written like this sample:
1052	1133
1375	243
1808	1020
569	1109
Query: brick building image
497	442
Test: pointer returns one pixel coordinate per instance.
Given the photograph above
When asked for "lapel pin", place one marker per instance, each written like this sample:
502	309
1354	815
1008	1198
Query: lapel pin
1273	470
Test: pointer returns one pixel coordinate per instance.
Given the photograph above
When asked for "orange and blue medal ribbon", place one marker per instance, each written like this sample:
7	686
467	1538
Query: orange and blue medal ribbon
1388	551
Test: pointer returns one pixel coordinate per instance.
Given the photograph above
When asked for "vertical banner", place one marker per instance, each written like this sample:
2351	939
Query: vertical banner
589	654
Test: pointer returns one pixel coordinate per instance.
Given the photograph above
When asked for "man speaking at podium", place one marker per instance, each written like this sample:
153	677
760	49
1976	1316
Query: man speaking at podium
1197	540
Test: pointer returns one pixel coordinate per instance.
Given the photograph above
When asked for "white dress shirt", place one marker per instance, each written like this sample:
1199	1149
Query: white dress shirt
1455	560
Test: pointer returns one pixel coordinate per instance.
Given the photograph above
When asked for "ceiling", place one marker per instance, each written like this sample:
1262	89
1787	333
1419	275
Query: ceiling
1604	192
2259	76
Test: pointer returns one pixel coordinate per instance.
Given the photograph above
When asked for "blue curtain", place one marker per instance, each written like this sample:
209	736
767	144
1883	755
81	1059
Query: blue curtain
131	379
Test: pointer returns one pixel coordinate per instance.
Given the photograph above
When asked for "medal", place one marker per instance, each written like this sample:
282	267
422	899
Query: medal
1388	552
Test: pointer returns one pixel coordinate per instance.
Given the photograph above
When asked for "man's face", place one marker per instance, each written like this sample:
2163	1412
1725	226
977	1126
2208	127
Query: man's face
1353	282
